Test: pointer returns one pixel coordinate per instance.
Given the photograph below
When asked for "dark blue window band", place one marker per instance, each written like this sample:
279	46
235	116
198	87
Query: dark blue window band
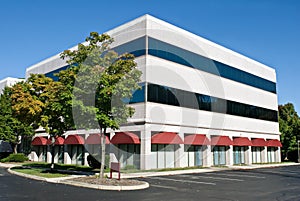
181	56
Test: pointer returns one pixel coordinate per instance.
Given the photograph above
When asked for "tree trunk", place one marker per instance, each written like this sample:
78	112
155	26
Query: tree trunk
52	158
102	135
15	148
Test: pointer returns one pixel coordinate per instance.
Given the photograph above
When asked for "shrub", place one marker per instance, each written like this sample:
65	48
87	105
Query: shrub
15	158
292	155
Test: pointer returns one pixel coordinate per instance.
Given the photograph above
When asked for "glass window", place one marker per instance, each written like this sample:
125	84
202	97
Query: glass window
175	54
138	96
177	97
136	47
238	155
219	154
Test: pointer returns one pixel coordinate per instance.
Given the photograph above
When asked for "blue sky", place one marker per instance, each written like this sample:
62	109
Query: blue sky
266	31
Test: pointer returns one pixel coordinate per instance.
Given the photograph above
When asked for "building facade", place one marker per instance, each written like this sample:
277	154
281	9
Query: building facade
201	104
8	82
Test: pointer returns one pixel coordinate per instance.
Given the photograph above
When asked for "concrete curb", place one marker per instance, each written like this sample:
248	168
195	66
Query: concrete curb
144	185
64	180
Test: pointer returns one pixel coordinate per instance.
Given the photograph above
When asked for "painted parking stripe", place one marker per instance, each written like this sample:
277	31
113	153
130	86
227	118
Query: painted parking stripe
283	172
237	175
211	177
291	172
167	187
183	181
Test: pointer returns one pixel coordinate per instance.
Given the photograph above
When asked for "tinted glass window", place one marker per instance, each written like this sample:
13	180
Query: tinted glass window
172	53
177	97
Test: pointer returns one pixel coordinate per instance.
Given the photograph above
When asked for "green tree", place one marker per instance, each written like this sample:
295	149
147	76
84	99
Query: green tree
289	126
41	101
11	129
104	80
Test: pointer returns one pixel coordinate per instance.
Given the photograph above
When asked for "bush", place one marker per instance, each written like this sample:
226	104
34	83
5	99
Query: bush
293	156
15	158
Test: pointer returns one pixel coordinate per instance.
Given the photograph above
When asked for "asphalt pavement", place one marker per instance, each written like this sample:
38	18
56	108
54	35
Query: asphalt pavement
277	183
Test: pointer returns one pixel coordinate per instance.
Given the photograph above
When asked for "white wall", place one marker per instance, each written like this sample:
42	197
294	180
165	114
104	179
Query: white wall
9	81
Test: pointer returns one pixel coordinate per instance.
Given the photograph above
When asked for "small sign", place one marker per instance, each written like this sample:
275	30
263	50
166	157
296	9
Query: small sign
115	167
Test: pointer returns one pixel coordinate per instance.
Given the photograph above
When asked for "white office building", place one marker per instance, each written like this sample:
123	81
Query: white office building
8	82
201	104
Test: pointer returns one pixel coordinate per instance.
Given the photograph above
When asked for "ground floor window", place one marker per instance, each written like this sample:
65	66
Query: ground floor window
95	150
271	154
164	155
239	155
77	154
60	153
41	152
129	155
194	155
257	154
219	155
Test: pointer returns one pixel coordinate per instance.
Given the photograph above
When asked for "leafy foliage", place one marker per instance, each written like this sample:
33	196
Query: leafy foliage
40	101
289	126
11	128
103	80
15	158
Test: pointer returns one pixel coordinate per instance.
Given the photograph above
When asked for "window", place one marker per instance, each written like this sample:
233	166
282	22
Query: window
138	95
256	154
77	154
136	47
219	155
238	155
60	153
129	155
164	154
175	54
271	154
194	155
177	97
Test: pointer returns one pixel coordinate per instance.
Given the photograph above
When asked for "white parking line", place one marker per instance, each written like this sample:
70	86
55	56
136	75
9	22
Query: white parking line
281	172
210	177
167	187
183	181
291	172
237	175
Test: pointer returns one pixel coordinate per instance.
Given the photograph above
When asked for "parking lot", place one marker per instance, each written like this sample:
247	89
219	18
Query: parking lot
261	184
281	183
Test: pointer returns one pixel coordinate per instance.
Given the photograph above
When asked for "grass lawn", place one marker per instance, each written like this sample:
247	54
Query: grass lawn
39	172
58	166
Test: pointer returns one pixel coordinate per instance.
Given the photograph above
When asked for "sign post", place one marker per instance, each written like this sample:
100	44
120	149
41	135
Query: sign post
115	167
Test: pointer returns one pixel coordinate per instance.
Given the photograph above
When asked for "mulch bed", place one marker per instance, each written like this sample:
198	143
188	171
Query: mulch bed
106	181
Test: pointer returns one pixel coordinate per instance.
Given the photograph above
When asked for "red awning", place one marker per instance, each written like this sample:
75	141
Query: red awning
241	141
58	141
221	141
259	142
96	139
125	138
274	143
74	139
39	141
166	138
196	139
